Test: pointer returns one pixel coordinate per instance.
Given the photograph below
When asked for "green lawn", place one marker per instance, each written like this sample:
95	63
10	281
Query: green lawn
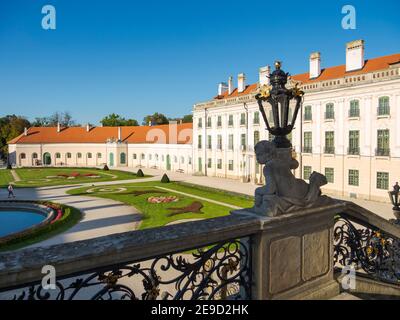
39	177
156	215
5	177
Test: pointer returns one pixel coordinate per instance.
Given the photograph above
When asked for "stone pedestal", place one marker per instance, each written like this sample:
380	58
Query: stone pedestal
293	255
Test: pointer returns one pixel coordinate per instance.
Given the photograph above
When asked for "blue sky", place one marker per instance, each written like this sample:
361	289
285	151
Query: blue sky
136	58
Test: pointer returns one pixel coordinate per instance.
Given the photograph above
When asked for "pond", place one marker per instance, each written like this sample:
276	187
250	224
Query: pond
12	220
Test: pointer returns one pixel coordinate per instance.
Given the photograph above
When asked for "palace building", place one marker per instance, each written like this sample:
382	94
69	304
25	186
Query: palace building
167	147
348	128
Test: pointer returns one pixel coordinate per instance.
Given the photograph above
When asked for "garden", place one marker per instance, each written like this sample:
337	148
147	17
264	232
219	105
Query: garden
164	203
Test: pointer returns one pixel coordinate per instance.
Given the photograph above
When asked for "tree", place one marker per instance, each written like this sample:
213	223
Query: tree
115	120
11	126
156	119
187	118
63	118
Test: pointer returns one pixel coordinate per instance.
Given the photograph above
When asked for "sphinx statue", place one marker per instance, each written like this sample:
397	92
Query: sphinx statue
283	192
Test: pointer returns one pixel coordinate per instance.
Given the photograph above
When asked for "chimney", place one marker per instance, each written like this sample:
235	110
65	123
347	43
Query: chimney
263	75
25	131
241	82
119	133
230	85
87	127
354	55
58	127
315	65
222	87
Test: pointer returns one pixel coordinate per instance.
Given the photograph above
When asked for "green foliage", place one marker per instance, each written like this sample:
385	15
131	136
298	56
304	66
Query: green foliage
165	178
140	173
155	119
187	118
11	126
115	120
63	118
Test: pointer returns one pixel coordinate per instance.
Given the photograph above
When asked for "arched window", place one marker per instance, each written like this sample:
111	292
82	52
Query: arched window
122	158
162	158
156	156
256	137
143	156
175	159
383	108
134	156
79	155
89	155
149	156
69	155
354	108
34	155
190	160
99	155
58	155
23	155
182	160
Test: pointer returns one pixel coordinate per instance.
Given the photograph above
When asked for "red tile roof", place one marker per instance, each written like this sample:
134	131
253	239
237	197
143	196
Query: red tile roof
330	73
139	134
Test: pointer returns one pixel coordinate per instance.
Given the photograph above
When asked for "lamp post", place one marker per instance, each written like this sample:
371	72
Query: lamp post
279	106
394	198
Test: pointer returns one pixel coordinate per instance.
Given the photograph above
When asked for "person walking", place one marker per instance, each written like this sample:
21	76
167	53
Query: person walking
10	191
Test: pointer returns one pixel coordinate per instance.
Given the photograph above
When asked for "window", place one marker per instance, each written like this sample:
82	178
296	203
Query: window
353	177
209	142
307	148
382	180
383	108
156	156
383	143
329	111
162	158
329	142
34	155
243	141
209	163
230	120
122	157
329	174
219	121
89	155
150	156
306	172
208	122
270	136
182	160
230	165
219	164
143	156
199	142
219	142
69	155
175	159
256	119
230	142
307	113
23	155
79	155
99	155
354	142
242	119
190	160
58	155
256	137
134	156
200	123
354	108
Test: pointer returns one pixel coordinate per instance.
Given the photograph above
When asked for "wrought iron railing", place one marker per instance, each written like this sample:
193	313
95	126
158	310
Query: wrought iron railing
307	149
372	249
329	150
220	270
353	150
383	152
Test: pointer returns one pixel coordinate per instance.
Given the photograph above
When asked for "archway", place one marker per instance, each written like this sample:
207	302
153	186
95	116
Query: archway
46	159
111	159
168	162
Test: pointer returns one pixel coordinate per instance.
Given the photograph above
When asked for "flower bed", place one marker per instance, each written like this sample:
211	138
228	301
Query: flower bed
166	199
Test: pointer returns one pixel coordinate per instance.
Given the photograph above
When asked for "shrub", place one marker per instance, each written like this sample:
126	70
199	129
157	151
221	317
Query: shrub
9	167
140	173
165	178
105	168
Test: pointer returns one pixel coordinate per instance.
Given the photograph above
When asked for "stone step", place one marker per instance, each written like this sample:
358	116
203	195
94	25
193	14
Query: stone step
345	296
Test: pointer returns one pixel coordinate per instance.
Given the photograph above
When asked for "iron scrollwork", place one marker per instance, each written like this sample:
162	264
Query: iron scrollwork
366	249
220	271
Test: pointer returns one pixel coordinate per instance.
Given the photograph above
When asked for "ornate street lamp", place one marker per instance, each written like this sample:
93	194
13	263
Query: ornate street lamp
394	198
279	106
